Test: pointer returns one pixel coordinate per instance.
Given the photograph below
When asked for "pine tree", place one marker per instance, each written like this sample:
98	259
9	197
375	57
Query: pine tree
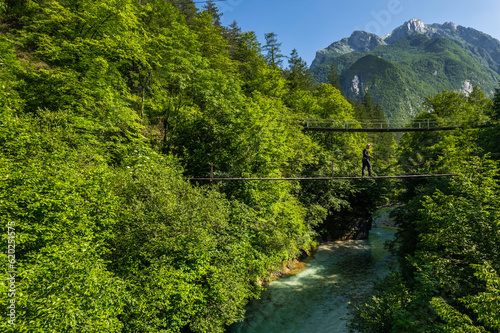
299	77
333	77
232	34
369	106
496	104
211	7
273	48
187	8
383	143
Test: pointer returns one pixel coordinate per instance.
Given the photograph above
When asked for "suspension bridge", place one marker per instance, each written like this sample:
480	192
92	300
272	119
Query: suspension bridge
374	125
354	125
333	177
323	178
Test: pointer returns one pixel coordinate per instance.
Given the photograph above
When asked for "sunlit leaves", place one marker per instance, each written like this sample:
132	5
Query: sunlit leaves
445	151
184	254
486	304
9	66
112	237
449	238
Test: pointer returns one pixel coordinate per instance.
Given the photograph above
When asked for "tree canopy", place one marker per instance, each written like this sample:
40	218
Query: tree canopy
108	108
447	243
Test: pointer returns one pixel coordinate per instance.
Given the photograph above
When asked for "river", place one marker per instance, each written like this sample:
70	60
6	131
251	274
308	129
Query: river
316	300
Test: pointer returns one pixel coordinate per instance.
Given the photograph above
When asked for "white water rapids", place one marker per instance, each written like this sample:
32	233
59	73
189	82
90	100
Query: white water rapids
316	300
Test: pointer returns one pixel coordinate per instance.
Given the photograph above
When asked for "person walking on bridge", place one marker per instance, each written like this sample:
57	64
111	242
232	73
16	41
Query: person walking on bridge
366	161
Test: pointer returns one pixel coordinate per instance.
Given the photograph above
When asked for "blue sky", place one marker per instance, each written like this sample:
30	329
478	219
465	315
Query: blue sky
309	26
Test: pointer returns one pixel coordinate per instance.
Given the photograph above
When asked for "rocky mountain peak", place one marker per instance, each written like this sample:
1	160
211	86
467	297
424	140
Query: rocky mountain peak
415	25
362	41
412	62
481	47
359	41
411	27
449	26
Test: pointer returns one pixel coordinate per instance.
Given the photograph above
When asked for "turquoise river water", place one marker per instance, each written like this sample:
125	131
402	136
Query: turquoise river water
316	300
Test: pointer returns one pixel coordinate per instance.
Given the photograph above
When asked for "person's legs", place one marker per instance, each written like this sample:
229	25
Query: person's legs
366	164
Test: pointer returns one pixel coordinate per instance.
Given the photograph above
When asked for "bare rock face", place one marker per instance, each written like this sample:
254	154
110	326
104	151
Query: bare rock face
360	41
467	88
414	26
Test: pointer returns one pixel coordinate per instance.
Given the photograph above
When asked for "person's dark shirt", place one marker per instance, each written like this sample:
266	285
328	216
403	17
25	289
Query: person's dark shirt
366	153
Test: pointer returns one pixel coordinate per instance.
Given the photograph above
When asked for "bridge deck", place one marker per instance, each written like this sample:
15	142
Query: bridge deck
408	129
326	178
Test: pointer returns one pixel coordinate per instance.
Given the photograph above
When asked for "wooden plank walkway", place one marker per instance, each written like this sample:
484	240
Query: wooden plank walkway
326	178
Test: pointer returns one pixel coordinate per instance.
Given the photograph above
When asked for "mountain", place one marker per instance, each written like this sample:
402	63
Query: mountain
413	61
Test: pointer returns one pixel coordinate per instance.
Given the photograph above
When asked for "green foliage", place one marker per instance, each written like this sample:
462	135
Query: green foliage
486	305
456	322
214	46
496	104
299	77
385	310
457	230
446	151
186	253
63	209
447	244
328	103
9	66
408	70
448	289
333	77
341	63
384	144
373	71
106	107
347	205
212	9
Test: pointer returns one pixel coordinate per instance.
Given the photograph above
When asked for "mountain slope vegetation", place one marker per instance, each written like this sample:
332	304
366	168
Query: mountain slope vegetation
386	79
429	62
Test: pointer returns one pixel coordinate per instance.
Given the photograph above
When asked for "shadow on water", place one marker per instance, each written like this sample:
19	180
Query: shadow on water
316	300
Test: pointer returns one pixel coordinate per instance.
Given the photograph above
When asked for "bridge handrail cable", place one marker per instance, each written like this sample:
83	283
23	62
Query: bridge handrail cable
390	123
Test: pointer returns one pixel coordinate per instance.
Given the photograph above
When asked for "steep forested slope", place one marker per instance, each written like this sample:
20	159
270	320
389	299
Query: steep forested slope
106	109
448	242
387	81
428	62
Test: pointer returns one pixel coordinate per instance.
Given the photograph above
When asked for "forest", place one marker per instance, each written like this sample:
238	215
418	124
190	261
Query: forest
107	109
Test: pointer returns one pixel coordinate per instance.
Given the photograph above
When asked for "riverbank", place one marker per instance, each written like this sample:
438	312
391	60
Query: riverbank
381	218
317	298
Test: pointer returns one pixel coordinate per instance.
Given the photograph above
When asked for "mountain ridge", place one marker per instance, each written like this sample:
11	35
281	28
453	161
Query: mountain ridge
425	60
474	41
